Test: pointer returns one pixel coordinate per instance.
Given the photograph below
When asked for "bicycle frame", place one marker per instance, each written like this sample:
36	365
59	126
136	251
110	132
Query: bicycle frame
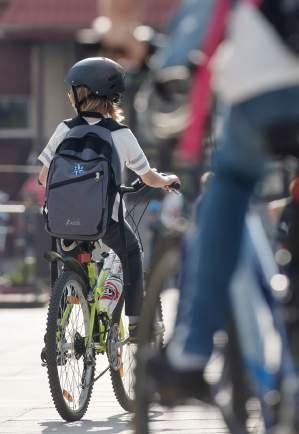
97	284
258	319
103	320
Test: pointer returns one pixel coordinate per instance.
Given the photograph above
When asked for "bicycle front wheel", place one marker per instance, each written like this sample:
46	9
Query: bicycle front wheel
69	354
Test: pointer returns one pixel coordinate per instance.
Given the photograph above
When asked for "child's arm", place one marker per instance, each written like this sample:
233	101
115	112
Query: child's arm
43	175
137	161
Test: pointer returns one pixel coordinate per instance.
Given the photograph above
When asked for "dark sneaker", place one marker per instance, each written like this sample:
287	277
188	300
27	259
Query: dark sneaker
175	386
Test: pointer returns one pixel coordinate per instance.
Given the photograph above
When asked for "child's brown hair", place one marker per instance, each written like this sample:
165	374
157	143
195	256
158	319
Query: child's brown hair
93	103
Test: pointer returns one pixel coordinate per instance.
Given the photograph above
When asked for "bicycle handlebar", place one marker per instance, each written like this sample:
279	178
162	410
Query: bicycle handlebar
138	185
135	186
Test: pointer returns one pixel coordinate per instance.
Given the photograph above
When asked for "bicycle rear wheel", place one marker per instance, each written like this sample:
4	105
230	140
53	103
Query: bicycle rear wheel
70	358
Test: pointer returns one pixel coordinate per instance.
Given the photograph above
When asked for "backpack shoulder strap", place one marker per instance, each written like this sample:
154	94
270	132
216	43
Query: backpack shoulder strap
71	123
74	122
108	123
111	124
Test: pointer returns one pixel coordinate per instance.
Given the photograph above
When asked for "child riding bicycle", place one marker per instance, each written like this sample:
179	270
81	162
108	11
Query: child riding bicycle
96	85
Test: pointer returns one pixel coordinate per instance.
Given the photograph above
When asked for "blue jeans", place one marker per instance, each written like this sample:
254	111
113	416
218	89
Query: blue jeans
215	248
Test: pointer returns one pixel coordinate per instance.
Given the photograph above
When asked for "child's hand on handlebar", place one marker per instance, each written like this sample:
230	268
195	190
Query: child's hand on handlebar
172	182
161	180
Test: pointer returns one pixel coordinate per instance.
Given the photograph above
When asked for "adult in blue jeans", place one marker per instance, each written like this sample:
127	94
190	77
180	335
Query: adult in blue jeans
259	82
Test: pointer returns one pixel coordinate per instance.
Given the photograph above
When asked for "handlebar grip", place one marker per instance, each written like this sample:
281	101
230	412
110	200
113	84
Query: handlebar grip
175	186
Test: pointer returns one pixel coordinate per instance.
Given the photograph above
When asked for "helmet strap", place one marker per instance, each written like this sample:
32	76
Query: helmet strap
77	102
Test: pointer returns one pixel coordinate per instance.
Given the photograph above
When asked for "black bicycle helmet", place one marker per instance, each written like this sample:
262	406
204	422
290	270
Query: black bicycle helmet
101	75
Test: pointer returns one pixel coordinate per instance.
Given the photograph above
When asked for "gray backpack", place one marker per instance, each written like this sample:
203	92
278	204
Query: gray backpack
83	180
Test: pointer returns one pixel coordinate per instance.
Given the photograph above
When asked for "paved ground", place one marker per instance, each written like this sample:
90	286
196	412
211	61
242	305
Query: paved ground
26	406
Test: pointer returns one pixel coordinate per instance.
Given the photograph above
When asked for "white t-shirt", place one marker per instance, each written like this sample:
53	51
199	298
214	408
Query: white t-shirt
130	153
254	59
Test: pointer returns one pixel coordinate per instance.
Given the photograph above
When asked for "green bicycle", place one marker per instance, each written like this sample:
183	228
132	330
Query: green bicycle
79	329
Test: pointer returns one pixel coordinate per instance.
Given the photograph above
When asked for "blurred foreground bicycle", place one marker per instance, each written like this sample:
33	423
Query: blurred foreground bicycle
256	388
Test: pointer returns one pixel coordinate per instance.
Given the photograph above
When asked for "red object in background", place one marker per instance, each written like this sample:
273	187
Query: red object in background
190	146
84	258
32	189
295	189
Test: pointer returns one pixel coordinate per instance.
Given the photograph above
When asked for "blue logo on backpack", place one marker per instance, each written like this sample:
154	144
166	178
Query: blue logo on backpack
78	169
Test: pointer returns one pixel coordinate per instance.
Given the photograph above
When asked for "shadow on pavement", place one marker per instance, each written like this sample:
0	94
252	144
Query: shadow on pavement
112	425
115	424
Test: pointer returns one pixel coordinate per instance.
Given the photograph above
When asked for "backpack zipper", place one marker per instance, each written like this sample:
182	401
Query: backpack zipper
96	175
